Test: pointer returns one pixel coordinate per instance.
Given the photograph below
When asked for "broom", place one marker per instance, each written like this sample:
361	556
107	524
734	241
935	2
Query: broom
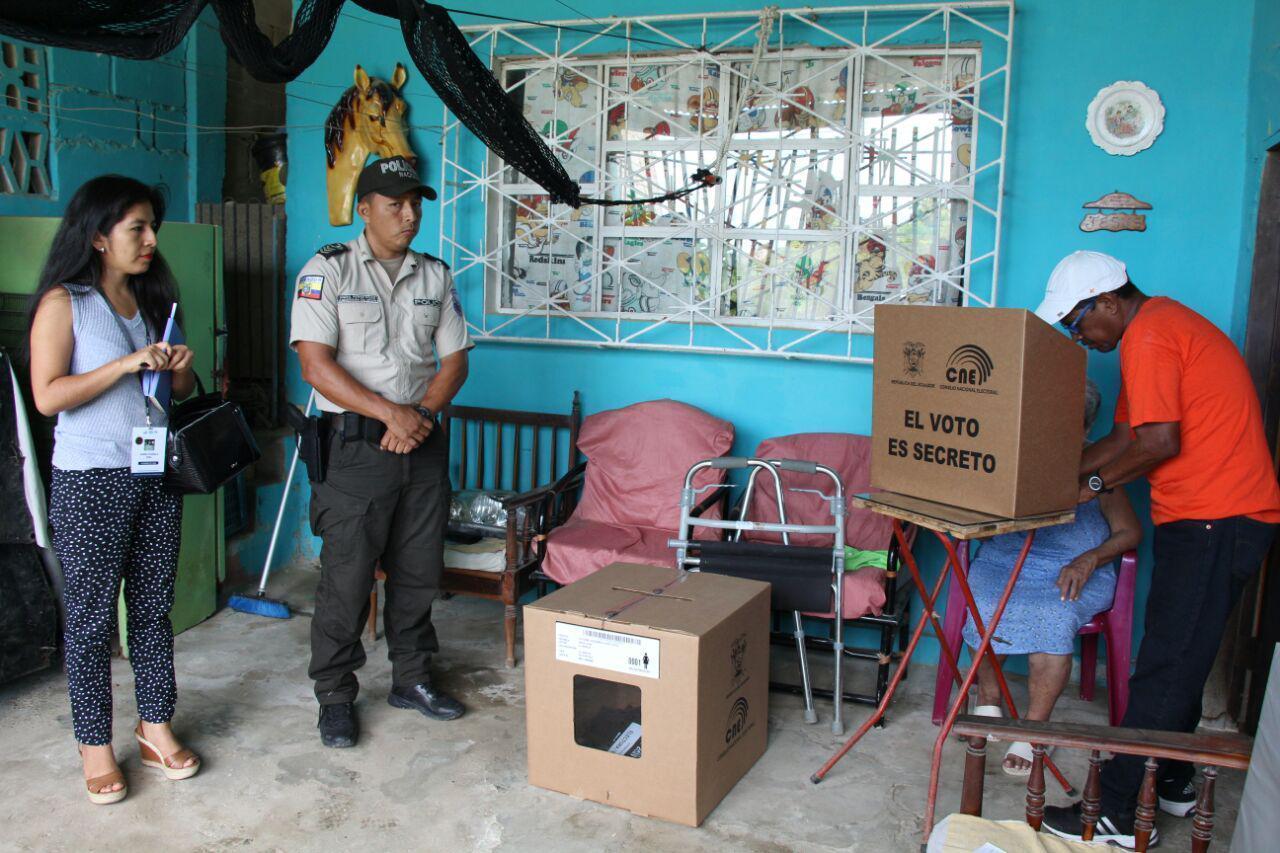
258	604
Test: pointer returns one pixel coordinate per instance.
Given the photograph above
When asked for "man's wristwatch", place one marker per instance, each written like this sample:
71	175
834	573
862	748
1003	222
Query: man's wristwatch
426	412
1095	483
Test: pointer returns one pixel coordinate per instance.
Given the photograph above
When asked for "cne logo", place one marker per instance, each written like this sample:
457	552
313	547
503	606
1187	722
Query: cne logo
969	364
737	722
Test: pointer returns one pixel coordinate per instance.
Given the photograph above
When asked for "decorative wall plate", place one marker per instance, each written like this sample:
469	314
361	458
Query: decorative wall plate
1125	117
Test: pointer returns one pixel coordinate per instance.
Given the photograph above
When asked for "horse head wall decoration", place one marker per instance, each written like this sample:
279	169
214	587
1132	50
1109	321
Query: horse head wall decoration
368	119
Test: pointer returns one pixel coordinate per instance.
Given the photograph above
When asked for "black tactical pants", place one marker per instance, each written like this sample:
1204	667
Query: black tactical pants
377	507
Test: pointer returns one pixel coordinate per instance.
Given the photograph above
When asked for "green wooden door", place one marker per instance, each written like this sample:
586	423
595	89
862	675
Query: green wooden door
194	252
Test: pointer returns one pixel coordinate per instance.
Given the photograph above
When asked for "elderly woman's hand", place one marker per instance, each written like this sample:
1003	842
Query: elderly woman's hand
1072	578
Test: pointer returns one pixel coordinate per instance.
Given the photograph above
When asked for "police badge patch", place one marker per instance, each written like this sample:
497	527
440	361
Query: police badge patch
311	287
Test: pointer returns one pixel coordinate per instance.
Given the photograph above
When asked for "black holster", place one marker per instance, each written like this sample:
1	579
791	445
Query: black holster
313	441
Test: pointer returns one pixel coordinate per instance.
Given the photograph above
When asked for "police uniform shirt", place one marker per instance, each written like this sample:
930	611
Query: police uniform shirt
384	332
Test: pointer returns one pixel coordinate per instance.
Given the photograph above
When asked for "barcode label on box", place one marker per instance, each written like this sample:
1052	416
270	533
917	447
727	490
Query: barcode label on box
625	653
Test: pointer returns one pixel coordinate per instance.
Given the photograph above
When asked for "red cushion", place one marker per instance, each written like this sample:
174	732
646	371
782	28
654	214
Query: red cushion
850	457
637	458
582	546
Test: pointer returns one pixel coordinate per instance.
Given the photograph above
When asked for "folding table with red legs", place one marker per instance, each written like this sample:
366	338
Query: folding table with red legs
955	528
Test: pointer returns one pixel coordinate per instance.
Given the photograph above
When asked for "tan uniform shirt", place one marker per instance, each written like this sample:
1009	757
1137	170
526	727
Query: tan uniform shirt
384	332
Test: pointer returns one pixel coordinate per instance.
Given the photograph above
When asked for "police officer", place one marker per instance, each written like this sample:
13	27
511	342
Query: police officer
371	319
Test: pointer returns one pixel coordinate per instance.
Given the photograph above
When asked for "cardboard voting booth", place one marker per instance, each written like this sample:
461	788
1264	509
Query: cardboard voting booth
647	689
981	408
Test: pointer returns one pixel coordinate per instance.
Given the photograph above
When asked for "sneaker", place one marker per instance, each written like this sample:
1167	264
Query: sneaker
337	724
1065	822
1175	800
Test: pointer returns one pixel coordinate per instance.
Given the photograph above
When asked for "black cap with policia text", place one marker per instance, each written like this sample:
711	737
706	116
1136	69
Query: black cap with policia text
391	177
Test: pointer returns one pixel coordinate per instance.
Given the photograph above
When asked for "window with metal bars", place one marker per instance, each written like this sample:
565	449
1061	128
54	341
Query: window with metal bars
834	196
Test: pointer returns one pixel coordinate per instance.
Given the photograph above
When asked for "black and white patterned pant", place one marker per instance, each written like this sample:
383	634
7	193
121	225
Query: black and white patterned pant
109	526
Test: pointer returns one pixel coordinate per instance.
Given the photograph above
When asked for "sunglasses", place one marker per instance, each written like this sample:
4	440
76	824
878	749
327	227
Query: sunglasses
1073	328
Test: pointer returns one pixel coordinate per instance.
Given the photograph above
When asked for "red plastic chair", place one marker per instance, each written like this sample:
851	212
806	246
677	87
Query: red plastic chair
1115	624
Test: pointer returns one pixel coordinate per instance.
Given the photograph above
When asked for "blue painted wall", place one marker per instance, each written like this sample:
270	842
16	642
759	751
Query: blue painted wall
136	118
1214	65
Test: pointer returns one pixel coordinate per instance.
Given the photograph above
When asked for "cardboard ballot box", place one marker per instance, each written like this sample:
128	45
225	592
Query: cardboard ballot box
981	408
645	691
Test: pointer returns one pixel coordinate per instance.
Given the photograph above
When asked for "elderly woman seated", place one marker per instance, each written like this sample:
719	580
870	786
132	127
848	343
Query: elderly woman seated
1068	578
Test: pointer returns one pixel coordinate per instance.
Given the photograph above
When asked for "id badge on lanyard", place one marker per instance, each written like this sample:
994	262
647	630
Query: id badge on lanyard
146	451
147	447
148	443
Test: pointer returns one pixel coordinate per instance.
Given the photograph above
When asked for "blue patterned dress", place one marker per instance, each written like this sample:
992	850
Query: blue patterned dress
1036	619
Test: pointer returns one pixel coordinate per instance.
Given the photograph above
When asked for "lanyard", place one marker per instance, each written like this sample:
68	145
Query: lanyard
128	342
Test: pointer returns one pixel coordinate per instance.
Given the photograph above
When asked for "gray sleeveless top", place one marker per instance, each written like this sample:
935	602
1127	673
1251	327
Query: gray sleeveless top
96	434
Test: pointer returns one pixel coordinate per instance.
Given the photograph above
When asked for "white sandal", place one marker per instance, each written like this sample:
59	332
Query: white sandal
1021	749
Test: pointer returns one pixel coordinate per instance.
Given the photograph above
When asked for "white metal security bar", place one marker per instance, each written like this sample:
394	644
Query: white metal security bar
864	154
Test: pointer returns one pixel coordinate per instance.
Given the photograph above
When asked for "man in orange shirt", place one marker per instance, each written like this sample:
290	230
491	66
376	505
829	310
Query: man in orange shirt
1187	419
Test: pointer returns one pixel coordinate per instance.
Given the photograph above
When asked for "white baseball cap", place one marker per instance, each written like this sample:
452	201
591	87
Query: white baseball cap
1077	277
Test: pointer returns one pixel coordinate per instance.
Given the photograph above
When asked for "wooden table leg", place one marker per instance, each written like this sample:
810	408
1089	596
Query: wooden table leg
1144	817
1202	823
1035	788
1091	805
509	632
975	769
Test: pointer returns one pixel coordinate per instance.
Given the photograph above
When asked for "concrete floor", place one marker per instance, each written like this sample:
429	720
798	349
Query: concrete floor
246	705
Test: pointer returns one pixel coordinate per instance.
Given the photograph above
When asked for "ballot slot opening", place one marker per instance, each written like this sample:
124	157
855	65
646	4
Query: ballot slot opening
607	715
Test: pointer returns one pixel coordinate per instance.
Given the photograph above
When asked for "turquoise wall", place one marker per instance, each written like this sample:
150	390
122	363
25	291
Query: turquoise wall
136	118
1200	176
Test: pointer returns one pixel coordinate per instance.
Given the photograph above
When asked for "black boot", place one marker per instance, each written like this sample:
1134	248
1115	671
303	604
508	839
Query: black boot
338	726
426	700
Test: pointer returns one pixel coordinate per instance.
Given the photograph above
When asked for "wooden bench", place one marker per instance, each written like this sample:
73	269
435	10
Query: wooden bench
487	451
1209	750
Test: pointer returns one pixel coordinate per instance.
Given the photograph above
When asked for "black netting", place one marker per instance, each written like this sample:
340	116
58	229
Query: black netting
146	29
469	89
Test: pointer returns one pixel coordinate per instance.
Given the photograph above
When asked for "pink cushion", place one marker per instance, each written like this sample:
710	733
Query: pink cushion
582	546
637	458
863	594
850	457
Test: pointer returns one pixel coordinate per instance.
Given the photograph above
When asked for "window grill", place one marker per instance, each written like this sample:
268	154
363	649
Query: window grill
866	165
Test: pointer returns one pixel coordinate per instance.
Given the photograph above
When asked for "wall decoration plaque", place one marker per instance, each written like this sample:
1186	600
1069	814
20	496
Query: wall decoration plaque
1115	211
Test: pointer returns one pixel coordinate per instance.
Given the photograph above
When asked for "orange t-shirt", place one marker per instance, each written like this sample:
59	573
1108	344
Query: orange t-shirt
1177	366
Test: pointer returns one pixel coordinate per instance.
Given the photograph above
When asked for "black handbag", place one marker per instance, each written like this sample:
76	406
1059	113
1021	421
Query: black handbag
209	443
209	439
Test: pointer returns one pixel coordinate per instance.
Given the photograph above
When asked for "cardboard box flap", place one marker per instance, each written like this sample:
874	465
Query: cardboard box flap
654	596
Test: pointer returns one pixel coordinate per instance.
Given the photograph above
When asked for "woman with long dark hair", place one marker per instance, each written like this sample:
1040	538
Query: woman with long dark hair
96	322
